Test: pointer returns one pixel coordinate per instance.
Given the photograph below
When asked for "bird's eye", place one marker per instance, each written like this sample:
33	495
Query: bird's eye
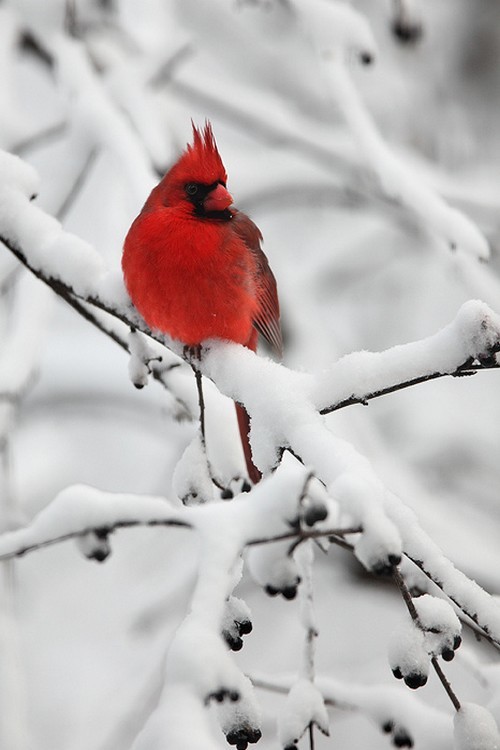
191	188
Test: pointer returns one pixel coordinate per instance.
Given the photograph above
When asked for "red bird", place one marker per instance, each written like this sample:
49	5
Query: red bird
193	264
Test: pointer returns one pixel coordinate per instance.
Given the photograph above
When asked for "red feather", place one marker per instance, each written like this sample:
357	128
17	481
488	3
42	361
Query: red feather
195	273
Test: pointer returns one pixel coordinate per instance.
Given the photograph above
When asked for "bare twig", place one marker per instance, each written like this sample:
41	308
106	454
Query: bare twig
311	736
407	597
23	550
78	184
165	72
40	138
466	369
482	630
93	530
445	683
81	306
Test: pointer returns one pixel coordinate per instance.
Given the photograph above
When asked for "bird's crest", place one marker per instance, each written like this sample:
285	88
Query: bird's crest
201	161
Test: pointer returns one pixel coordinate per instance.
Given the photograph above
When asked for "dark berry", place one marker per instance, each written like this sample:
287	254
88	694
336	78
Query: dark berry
253	735
448	654
243	735
100	554
289	592
456	642
244	627
271	590
407	32
227	494
415	680
388	726
384	568
315	513
397	673
402	739
246	486
234	642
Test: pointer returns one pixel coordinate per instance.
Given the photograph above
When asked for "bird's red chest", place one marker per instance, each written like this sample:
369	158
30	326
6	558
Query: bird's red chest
190	278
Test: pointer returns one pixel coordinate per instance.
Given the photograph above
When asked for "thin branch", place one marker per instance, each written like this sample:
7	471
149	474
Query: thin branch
167	69
480	629
109	529
284	689
67	292
445	683
466	369
64	290
311	736
93	530
333	535
408	599
40	138
405	593
78	184
80	305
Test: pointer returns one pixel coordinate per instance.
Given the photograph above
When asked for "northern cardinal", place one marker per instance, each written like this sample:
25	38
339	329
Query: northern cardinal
193	264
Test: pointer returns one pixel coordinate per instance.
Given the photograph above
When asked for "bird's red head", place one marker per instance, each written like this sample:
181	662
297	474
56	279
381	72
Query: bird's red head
197	180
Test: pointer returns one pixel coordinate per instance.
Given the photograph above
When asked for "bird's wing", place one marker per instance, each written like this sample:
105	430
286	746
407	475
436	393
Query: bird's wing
267	320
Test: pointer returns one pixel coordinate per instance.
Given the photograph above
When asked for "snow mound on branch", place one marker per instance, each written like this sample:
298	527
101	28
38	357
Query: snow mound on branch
81	508
18	174
40	237
304	706
475	729
408	653
437	615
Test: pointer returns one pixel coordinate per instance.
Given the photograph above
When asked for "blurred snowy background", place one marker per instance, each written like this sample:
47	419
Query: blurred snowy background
98	96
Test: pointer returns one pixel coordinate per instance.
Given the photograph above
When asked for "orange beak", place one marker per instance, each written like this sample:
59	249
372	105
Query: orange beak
218	199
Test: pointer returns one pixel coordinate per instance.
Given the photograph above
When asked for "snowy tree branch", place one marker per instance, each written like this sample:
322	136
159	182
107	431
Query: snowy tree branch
72	269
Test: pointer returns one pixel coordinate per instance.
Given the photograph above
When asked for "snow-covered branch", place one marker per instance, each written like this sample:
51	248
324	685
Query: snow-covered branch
285	406
394	712
353	155
466	345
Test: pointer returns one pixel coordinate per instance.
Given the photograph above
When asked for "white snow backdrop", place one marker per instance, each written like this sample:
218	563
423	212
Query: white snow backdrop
370	163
